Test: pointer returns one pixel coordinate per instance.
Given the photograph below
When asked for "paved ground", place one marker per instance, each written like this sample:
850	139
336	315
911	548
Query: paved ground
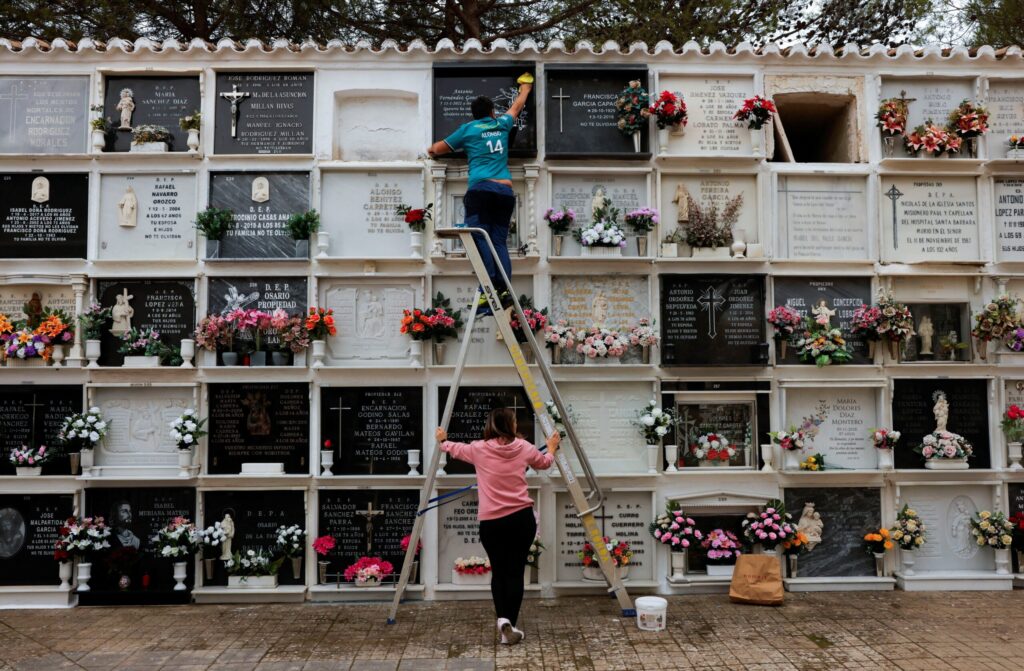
812	631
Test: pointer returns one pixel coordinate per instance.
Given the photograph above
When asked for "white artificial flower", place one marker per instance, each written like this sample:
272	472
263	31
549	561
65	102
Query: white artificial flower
188	439
661	430
90	419
190	411
94	436
78	424
101	425
94	410
647	420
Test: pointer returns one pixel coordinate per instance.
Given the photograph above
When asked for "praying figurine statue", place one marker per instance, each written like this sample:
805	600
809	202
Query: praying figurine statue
40	190
598	202
682	201
823	315
126	105
260	190
127	209
600	309
925	331
228	526
941	410
33	310
122	314
811	525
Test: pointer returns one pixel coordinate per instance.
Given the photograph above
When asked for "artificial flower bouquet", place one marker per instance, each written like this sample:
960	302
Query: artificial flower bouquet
968	120
83	431
792	440
1013	423
472	566
215	332
57	326
417	218
320	323
618	550
674	529
755	112
1014	339
713	447
795	545
140	342
536	320
1015	143
290	540
211	539
885	439
891	116
252	564
600	233
642	221
644	334
909	530
536	550
92	321
944	445
877	541
815	462
632	108
655	422
821	344
560	221
770	527
23	343
251	325
324	544
291	331
992	530
406	539
82	538
416	324
29	457
669	110
895	321
600	343
785	320
932	139
722	547
187	429
997	318
178	540
560	335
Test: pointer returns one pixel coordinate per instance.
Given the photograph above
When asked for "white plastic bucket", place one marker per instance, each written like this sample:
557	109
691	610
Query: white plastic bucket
651	613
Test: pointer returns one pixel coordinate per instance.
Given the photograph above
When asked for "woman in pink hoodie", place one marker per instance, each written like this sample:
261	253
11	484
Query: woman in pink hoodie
507	522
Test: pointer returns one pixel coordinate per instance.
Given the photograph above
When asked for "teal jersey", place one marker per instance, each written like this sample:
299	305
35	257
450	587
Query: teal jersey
485	142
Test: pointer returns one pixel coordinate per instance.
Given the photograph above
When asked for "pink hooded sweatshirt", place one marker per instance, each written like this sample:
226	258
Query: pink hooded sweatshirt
500	473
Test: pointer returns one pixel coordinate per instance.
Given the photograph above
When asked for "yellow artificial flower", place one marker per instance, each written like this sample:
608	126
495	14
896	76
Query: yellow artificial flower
984	514
981	541
985	525
1006	539
919	541
911	513
897	534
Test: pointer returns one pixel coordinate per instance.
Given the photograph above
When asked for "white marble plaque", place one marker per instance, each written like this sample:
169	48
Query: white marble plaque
1005	104
843	419
626	192
14	297
138	439
603	417
624	516
358	211
710	104
163	221
946	513
929	98
376	125
1008	195
823	217
458	533
485	349
616	301
707	191
367	316
930	219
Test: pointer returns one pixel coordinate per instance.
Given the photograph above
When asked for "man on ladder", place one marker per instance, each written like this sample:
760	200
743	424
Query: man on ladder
490	201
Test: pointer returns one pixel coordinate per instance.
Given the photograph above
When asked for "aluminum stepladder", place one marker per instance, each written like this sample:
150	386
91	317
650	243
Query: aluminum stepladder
586	502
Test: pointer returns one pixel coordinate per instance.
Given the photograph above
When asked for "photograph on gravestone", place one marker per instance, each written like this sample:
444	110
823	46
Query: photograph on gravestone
130	102
258	422
368	316
930	219
138	440
266	112
841	294
839	422
1008	194
469	416
710	104
32	415
456	85
823	217
135	515
733	418
358	212
44	216
946	513
914	417
147	217
603	417
616	302
262	203
624	517
165	306
1005	103
943	333
845	515
43	115
927	98
458	532
580	115
716	320
584	193
712	195
225	294
29	528
365	524
256	515
372	429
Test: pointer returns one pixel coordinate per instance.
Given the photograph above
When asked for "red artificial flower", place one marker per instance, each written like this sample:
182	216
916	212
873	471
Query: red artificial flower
328	445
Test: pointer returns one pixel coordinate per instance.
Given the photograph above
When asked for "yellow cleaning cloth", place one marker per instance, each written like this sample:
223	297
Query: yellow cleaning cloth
525	78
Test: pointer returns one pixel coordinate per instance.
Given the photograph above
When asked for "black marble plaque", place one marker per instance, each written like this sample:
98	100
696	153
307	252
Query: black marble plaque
159	101
167	306
472	406
913	416
268	294
579	117
263	422
32	415
712	320
842	294
256	514
43	115
456	86
135	515
259	230
1016	491
44	216
345	514
847	513
276	117
29	527
372	429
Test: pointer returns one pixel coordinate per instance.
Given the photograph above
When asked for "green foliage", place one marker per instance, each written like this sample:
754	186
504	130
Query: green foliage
301	226
214	223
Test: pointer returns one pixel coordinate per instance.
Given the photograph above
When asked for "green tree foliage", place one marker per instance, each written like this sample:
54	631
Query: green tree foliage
999	23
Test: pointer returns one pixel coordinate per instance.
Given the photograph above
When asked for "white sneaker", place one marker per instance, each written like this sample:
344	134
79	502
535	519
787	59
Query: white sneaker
522	636
509	634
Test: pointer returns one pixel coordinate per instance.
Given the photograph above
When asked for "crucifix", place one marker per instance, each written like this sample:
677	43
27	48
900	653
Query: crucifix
369	514
14	97
560	97
341	408
894	194
712	302
234	97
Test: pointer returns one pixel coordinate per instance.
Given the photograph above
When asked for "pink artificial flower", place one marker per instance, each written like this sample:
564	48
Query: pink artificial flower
928	451
950	451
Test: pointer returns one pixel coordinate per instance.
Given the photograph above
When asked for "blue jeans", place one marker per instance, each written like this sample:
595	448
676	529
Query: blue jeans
489	206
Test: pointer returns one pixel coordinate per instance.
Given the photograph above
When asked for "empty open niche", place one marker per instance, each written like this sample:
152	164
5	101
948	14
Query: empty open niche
815	127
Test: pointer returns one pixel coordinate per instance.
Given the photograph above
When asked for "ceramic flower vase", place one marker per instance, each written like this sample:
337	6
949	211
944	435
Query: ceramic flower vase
1013	452
64	571
678	566
879	564
180	573
84	576
1003	561
653	456
907	557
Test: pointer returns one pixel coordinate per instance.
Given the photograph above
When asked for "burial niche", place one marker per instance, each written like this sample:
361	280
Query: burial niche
816	127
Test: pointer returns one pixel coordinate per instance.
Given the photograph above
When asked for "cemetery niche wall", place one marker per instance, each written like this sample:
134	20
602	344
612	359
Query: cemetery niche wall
827	210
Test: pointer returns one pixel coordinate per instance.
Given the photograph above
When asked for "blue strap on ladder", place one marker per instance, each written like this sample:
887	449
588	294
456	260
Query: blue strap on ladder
441	499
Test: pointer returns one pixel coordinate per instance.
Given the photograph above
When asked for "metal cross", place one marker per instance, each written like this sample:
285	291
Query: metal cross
14	98
369	514
234	97
32	431
894	194
711	301
560	97
341	436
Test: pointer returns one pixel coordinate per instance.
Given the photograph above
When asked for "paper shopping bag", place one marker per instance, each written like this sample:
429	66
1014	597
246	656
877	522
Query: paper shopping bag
757	580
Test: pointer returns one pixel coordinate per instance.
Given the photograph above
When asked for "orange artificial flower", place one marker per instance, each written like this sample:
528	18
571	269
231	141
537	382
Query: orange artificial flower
888	545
